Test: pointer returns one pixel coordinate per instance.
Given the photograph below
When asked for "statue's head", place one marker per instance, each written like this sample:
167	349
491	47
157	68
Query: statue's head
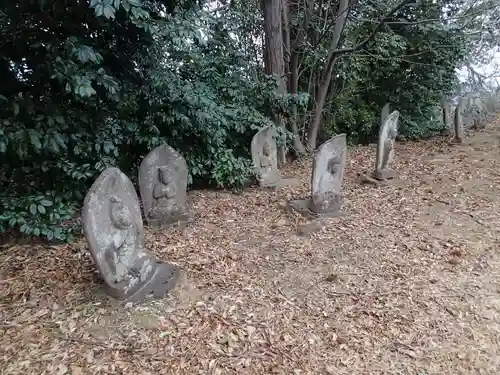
266	148
333	164
120	214
165	174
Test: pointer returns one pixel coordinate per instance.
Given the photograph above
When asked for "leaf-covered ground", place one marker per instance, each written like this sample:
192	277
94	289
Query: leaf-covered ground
407	282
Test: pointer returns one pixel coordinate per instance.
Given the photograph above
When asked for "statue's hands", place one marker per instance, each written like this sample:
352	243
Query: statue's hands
135	272
121	272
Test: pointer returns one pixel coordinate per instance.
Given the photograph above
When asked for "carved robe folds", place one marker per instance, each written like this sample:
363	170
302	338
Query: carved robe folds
265	160
385	147
265	157
163	178
326	181
112	224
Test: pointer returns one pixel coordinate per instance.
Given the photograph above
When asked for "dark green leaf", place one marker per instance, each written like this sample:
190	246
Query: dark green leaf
109	11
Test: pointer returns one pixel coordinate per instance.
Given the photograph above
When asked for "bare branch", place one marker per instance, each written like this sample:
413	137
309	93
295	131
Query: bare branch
377	28
431	20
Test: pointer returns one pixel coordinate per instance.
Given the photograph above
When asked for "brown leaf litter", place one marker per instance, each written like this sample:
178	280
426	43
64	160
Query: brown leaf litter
406	283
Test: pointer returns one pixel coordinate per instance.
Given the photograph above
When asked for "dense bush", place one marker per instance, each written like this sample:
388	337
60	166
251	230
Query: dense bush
86	88
88	85
412	67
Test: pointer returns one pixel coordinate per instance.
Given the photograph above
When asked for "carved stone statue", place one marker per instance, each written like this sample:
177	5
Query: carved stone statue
458	122
385	147
328	174
265	159
446	116
384	113
326	182
165	205
163	182
112	224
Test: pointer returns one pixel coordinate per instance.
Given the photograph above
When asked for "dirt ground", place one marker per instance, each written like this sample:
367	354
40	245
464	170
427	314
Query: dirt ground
407	282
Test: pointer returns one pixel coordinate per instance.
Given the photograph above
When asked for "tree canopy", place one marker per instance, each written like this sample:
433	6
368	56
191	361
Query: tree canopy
90	84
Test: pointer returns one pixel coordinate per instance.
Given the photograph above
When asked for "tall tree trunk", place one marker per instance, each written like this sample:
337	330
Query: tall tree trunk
274	57
326	75
292	63
293	85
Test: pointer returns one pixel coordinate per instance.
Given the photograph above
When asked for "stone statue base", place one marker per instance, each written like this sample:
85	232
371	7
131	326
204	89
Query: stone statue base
446	131
180	220
306	208
280	183
163	280
315	219
385	174
325	203
366	178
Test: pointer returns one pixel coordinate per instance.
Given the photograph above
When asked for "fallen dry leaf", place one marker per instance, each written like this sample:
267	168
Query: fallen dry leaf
253	297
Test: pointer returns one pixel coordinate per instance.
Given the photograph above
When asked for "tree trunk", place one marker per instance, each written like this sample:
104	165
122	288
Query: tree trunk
326	75
274	57
292	71
293	47
293	88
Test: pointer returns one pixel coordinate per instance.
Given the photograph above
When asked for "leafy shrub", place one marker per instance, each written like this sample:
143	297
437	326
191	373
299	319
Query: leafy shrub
105	95
39	216
231	170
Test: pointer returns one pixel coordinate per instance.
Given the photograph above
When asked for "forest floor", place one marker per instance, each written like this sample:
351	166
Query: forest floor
408	282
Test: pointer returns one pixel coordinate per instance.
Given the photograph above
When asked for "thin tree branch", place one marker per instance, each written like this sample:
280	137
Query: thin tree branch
430	20
377	28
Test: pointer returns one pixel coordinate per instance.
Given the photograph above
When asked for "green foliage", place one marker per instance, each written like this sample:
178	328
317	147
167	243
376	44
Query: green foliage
231	170
39	216
203	103
88	87
285	103
412	66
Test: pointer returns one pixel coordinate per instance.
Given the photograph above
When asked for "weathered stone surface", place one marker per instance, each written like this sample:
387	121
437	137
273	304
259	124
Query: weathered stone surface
437	114
326	182
385	147
265	160
163	177
328	174
303	207
113	227
384	113
447	119
458	122
265	157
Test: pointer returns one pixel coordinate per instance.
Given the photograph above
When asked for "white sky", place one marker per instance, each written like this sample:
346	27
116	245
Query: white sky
491	69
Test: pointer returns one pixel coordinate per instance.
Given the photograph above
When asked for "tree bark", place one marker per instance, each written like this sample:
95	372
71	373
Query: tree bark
292	69
299	33
274	57
333	55
326	75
